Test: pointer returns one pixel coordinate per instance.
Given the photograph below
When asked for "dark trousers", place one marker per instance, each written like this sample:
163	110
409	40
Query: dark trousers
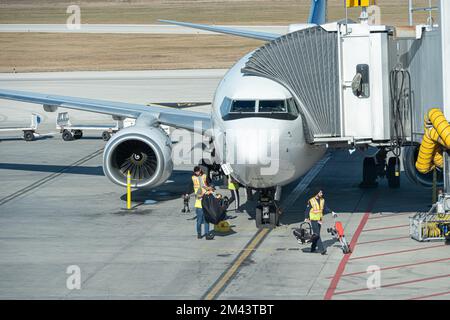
234	197
201	220
317	241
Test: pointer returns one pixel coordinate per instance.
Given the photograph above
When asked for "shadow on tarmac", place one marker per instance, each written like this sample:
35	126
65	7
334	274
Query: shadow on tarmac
43	137
94	171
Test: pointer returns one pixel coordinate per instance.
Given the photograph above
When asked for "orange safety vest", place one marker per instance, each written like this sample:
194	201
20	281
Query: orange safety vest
199	189
316	212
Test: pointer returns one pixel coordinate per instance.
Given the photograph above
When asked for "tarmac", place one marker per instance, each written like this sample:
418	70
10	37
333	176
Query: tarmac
58	210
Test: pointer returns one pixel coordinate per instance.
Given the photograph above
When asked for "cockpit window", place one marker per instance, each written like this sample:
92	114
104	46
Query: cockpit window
275	109
241	106
272	106
292	107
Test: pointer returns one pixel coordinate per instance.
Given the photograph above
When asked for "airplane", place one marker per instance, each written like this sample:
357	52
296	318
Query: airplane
240	102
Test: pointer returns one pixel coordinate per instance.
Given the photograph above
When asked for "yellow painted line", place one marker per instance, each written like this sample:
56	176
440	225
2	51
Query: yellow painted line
235	266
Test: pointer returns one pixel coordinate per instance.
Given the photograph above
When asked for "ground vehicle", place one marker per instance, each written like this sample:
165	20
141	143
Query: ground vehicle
72	132
29	133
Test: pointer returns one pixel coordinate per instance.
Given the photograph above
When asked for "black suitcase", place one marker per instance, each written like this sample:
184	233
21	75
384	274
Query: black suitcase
213	209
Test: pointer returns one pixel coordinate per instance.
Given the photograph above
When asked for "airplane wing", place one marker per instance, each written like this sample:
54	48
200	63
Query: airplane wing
265	36
189	120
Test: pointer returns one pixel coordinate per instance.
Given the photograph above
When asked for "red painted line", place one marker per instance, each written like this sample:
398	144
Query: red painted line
390	215
395	284
383	240
340	270
431	295
396	252
384	228
396	267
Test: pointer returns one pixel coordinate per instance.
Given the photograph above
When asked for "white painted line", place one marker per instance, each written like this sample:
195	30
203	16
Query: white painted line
304	183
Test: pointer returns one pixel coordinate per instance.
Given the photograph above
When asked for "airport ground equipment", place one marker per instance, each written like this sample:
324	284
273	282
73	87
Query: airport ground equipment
186	197
29	133
71	131
338	233
434	224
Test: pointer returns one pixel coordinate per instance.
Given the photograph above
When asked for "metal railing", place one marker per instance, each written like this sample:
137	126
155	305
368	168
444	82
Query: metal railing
429	9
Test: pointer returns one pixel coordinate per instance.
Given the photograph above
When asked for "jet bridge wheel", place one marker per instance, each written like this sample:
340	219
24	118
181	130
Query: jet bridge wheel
393	180
28	135
369	173
67	135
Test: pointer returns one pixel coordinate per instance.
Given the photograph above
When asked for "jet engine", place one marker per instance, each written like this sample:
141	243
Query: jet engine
145	152
409	163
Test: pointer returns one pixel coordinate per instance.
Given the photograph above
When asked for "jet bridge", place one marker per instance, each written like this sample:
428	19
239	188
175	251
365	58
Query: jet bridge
339	74
360	85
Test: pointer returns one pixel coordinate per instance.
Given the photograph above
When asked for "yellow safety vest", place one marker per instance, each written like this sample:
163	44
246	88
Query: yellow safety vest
316	212
231	184
199	189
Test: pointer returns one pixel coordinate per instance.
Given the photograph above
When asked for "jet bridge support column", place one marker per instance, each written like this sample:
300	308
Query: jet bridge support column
445	43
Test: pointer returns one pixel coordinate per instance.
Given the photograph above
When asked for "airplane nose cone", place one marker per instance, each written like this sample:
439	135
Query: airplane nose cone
255	154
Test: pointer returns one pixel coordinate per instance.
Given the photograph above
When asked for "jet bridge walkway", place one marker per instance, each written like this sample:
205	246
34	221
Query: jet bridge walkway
352	81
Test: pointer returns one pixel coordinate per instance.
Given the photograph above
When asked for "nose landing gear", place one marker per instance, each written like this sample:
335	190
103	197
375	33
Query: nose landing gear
267	210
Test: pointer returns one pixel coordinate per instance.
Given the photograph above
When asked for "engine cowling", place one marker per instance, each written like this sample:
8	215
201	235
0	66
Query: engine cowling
144	151
409	162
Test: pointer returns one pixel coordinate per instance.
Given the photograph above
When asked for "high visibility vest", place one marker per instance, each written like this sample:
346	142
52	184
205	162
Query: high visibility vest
316	212
199	189
231	184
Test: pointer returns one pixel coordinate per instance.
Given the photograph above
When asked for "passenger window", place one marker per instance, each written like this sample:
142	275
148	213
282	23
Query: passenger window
272	106
240	106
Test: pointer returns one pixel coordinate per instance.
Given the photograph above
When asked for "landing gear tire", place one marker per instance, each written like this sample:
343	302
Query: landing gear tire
267	215
393	180
259	218
369	173
67	135
273	218
77	134
28	136
106	135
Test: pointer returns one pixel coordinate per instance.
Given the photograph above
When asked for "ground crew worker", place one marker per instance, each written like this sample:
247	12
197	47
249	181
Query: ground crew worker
233	186
314	213
200	187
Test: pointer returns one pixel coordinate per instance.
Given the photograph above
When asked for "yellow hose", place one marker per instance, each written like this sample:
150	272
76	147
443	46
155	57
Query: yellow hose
438	159
430	153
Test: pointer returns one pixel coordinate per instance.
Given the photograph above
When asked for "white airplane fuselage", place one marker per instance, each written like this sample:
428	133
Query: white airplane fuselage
263	149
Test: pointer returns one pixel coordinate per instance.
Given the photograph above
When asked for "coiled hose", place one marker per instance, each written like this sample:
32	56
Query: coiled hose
436	137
